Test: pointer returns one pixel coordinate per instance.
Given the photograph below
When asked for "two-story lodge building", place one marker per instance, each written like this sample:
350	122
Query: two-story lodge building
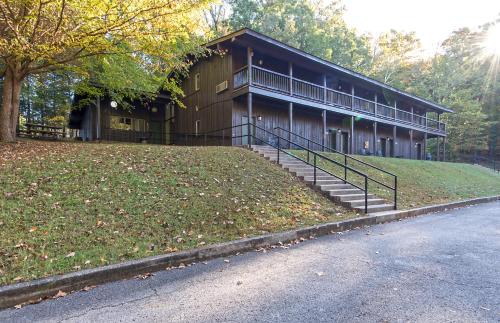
276	85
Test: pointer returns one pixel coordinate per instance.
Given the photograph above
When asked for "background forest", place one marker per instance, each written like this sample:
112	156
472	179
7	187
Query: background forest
462	74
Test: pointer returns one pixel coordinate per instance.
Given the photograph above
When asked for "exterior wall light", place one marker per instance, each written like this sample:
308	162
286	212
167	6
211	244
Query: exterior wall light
113	104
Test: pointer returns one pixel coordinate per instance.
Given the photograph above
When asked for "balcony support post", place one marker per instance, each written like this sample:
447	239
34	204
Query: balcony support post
411	144
290	122
352	150
375	140
290	73
375	100
412	115
439	121
394	142
424	157
323	115
438	143
438	148
250	114
249	64
444	148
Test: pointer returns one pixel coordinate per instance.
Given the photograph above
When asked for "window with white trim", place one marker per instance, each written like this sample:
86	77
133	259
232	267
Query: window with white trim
197	81
125	123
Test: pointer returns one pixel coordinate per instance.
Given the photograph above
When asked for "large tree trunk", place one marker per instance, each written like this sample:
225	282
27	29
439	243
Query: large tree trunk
9	111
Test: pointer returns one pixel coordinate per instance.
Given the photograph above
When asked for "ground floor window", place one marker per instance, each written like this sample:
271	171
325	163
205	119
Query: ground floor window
197	126
126	123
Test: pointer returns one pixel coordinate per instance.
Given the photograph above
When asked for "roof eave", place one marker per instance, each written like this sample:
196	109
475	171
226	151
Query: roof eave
297	51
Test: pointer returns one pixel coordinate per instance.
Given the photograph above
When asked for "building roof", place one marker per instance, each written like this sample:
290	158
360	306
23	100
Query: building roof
273	42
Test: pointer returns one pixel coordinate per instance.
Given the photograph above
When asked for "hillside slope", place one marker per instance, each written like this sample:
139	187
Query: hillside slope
65	206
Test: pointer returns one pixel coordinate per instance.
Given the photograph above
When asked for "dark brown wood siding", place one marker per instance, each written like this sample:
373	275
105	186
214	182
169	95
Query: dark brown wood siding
211	108
155	131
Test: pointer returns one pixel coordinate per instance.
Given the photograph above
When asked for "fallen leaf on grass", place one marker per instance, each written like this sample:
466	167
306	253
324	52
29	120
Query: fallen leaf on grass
71	254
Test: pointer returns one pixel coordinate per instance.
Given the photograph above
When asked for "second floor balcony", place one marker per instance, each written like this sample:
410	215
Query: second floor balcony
289	85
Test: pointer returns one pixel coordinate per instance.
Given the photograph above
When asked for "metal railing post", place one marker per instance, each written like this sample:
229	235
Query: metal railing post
345	168
308	149
278	148
366	194
205	139
249	138
314	169
395	192
223	138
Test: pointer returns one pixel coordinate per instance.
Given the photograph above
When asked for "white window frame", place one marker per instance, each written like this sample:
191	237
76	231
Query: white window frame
134	125
197	81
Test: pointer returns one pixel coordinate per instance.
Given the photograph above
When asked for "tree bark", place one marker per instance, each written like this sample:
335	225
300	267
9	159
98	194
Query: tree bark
9	111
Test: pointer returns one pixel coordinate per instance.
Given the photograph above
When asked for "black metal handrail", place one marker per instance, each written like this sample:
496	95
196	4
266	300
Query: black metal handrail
278	145
315	160
346	157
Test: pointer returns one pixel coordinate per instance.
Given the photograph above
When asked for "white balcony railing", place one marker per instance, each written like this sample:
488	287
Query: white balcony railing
285	84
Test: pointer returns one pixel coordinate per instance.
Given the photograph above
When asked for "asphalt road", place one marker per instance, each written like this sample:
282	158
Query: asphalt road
440	267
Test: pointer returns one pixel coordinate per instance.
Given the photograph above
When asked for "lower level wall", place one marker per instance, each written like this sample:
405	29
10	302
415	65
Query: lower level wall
308	123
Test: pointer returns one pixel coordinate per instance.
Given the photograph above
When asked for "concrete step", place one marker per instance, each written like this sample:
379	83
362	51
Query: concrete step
320	180
296	163
308	173
345	191
352	197
373	201
328	187
376	208
324	182
283	159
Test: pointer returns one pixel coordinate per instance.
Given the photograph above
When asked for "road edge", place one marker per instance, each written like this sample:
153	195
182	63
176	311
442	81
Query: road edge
11	295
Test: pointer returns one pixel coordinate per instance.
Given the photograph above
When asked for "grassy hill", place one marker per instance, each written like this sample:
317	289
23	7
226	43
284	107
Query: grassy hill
66	206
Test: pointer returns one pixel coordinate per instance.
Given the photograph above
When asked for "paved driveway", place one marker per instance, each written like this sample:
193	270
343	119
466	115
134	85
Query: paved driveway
441	267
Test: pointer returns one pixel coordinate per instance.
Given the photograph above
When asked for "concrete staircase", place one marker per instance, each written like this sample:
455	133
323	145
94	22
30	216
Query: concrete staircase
334	188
